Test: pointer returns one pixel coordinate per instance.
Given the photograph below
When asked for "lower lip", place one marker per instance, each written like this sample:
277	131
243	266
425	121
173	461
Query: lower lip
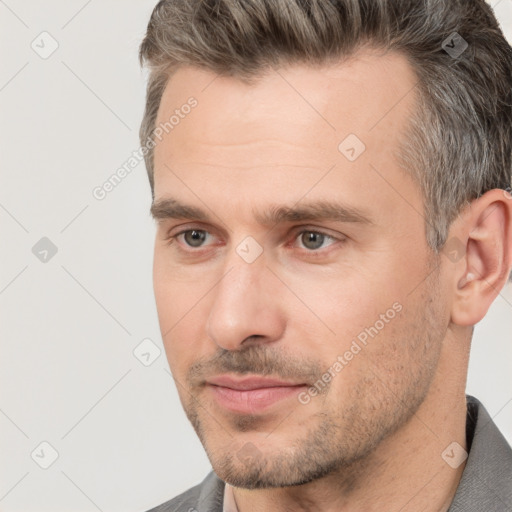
252	401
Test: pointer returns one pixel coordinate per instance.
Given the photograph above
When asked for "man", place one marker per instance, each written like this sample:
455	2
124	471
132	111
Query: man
331	185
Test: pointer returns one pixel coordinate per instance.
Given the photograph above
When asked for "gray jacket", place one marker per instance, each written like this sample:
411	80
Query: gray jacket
485	486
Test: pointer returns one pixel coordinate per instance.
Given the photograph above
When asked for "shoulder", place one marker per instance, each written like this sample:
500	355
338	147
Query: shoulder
486	482
204	497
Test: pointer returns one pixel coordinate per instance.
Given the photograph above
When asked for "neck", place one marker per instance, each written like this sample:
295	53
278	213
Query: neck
406	471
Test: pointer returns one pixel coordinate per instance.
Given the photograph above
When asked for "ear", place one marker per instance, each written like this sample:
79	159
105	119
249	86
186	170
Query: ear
482	238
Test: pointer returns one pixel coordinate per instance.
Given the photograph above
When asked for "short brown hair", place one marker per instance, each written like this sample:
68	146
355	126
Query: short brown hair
460	136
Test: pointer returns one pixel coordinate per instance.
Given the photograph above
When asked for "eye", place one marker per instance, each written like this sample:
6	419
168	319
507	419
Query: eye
309	240
191	237
313	240
194	237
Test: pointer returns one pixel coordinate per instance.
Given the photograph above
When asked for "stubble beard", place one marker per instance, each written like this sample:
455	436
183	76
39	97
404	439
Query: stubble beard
341	439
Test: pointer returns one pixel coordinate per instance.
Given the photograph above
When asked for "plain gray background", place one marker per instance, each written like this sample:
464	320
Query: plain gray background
70	324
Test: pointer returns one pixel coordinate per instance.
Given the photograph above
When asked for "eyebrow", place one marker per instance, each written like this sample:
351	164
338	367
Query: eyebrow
323	210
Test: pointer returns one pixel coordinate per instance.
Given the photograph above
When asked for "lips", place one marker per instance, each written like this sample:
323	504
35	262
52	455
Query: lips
248	383
251	395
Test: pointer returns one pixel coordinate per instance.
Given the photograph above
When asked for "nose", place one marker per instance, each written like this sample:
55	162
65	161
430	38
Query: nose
246	306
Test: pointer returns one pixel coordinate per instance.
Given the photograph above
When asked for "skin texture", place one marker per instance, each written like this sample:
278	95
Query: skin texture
372	439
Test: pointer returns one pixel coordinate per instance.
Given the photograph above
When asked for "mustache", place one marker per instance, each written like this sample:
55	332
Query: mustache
259	360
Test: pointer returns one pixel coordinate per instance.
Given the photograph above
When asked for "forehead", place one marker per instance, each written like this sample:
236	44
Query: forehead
287	127
362	94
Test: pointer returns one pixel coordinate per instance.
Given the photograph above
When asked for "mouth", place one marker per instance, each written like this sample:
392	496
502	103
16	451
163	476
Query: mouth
251	395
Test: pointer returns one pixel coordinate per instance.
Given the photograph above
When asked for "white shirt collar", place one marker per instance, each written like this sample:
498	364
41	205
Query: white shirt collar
229	500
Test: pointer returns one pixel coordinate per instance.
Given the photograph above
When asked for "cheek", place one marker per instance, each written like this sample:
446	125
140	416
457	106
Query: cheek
342	306
179	309
175	293
183	337
357	326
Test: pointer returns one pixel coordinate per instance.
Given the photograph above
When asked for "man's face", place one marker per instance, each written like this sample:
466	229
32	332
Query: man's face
288	299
